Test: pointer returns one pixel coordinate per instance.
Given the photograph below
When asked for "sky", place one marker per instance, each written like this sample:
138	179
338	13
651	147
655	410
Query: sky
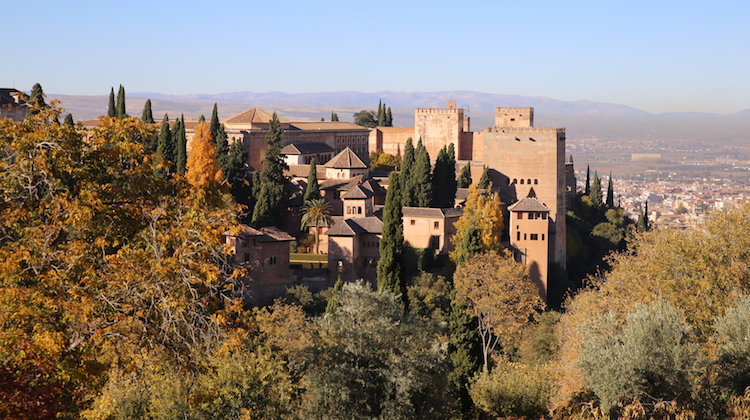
659	56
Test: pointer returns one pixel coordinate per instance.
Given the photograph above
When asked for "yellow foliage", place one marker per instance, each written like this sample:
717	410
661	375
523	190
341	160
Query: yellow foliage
202	169
485	213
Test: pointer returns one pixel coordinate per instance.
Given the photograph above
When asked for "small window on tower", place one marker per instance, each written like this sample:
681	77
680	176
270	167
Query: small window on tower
534	236
520	215
412	222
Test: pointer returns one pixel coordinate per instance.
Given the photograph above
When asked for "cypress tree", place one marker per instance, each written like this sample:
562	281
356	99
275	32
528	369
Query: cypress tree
334	116
263	211
451	181
36	100
272	175
610	193
181	143
587	188
645	217
312	191
444	182
381	114
111	111
596	192
464	349
389	118
464	178
407	167
237	173
485	180
222	149
147	116
421	179
69	120
214	125
120	112
164	145
390	272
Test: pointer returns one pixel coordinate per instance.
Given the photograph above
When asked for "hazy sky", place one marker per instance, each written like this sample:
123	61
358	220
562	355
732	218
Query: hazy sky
659	56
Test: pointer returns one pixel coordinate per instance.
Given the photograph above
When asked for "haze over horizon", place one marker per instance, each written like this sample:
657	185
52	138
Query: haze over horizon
660	57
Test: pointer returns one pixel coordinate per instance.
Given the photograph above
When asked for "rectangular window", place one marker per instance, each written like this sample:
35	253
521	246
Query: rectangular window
348	210
412	222
544	216
359	210
542	236
518	236
272	260
436	225
435	242
520	216
524	236
534	236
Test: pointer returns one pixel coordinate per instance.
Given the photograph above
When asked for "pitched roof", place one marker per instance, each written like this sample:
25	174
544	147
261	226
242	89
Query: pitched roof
357	193
341	184
529	204
306	148
347	159
266	234
432	212
252	116
356	226
326	125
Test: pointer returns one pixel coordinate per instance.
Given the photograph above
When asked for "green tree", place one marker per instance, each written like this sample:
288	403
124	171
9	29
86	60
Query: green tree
180	141
120	112
390	271
111	109
334	116
407	170
651	355
464	178
420	181
374	362
587	188
485	180
165	147
312	190
733	334
610	192
464	348
316	213
389	118
381	114
214	125
365	119
272	178
69	120
236	173
36	100
596	192
222	148
444	182
147	116
513	389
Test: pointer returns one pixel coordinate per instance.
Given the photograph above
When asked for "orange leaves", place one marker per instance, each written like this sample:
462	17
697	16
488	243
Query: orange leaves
202	169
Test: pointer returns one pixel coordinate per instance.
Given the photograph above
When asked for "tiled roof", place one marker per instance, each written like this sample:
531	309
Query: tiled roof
306	148
374	187
347	159
432	212
357	193
340	184
252	116
326	125
267	234
356	226
529	204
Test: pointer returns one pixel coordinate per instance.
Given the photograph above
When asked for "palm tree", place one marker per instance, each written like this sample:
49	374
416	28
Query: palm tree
316	213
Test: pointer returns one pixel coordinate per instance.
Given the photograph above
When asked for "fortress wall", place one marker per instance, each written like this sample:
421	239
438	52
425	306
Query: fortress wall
438	128
536	154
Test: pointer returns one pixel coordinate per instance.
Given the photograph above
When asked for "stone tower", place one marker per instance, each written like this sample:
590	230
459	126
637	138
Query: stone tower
438	127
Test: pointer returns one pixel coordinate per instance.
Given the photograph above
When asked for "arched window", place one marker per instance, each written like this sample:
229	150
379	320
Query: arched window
529	182
522	182
515	181
536	181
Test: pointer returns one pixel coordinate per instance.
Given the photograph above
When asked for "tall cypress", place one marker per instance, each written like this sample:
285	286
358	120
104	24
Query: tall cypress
381	114
69	120
272	176
334	116
464	349
389	118
444	178
312	191
464	178
120	112
111	111
587	187
390	272
36	100
407	167
180	142
421	178
596	192
236	173
164	146
147	116
610	192
214	125
485	180
222	149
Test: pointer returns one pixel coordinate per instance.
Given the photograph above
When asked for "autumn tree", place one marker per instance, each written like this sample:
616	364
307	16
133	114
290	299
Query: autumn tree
480	226
502	295
390	270
202	170
381	161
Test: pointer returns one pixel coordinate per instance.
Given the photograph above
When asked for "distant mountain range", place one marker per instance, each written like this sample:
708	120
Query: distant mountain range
583	119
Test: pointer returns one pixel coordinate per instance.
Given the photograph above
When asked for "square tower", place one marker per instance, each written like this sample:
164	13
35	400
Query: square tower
439	127
514	117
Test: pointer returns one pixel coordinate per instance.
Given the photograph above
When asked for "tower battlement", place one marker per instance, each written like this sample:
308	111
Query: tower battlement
507	116
446	111
525	130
